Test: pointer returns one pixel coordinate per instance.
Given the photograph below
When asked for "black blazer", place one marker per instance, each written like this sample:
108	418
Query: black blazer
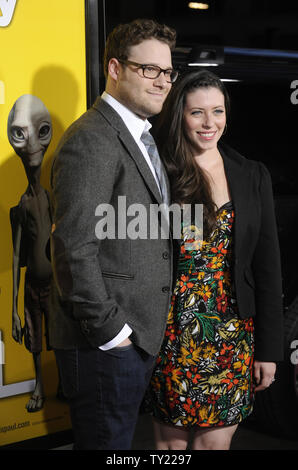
257	268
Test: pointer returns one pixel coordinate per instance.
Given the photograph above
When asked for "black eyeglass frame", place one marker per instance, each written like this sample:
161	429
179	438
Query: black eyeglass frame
143	66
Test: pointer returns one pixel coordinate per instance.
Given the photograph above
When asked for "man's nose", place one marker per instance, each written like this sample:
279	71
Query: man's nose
161	80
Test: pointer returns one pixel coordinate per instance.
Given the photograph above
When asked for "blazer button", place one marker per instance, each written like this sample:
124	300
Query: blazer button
165	255
165	289
84	326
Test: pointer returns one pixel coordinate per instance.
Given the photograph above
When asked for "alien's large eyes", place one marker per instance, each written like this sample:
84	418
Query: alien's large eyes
44	131
18	134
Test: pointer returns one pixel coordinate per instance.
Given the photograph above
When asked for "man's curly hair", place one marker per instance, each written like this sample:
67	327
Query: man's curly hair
130	34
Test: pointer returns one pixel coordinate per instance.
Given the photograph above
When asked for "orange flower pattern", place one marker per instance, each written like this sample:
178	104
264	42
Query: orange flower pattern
203	374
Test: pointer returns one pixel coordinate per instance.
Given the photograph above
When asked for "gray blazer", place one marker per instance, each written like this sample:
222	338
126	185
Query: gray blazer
100	285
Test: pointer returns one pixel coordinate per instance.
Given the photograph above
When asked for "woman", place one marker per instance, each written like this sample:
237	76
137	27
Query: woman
224	330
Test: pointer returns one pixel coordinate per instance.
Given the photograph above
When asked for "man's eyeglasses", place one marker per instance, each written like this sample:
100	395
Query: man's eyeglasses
152	71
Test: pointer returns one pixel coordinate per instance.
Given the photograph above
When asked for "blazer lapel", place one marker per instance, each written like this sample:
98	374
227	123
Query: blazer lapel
235	174
136	154
130	145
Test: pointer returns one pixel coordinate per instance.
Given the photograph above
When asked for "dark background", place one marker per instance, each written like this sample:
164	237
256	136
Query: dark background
241	23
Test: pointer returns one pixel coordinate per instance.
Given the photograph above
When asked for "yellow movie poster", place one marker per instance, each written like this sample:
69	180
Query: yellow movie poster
42	90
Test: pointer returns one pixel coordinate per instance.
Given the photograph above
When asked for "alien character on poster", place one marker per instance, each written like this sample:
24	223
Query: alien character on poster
29	132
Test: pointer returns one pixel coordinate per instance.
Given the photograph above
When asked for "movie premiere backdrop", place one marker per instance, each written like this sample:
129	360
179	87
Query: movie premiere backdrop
42	90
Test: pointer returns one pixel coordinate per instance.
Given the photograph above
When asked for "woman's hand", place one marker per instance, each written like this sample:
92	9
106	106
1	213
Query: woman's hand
264	374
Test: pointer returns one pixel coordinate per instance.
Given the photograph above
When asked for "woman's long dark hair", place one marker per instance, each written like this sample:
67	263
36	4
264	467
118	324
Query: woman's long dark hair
189	183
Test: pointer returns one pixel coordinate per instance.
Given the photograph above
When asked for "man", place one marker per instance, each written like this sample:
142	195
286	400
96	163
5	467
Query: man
111	295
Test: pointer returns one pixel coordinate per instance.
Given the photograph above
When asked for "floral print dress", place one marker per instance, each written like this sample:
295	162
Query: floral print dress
203	374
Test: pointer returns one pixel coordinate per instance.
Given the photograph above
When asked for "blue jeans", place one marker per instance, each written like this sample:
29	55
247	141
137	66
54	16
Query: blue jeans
104	391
